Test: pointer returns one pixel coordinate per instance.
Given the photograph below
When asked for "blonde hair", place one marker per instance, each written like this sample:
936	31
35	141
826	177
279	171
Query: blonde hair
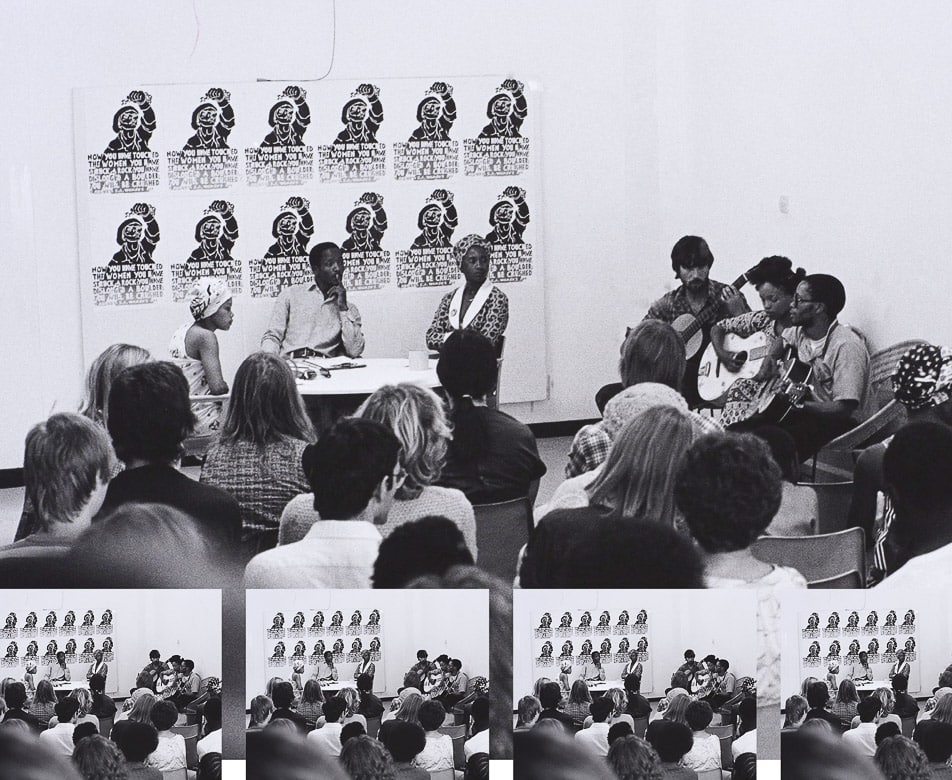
351	700
677	708
99	378
416	416
85	699
638	477
619	701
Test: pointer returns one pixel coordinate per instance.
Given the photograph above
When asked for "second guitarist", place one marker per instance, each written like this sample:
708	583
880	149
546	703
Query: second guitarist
775	282
836	398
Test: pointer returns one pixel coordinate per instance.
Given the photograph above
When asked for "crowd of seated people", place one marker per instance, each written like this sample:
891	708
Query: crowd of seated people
141	743
890	728
404	738
105	489
665	740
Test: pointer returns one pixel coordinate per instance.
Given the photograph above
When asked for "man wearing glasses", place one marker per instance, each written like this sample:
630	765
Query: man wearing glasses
832	399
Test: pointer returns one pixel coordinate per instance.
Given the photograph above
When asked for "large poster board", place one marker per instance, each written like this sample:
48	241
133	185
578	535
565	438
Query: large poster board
839	635
571	635
301	637
177	182
33	637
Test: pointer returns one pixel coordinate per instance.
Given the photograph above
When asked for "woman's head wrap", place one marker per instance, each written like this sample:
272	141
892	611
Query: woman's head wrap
468	242
923	377
207	297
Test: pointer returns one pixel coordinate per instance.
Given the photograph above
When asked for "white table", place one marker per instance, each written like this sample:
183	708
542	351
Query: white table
607	685
869	687
376	373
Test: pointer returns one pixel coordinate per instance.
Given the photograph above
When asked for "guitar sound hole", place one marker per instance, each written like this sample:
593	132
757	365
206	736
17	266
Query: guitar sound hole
742	356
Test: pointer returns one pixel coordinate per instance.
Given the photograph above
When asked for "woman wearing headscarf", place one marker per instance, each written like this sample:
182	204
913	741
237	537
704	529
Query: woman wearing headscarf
194	347
475	305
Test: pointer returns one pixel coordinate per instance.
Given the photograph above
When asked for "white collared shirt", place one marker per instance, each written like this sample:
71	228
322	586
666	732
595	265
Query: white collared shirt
334	554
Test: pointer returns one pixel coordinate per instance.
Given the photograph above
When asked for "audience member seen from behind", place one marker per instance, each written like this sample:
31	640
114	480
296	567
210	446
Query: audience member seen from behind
354	472
900	758
284	755
934	738
428	546
169	756
257	457
149	419
327	739
581	548
194	347
137	741
95	402
705	753
633	758
810	753
916	470
405	741
637	478
492	457
671	741
67	464
364	757
728	491
23	757
261	709
415	415
542	754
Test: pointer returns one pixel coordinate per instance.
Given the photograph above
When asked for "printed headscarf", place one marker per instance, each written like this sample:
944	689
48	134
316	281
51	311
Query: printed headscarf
634	400
923	377
468	242
208	296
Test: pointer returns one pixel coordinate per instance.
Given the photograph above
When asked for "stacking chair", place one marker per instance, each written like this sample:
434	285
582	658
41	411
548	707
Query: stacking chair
727	758
501	531
726	730
849	579
641	726
908	726
105	726
373	726
492	400
443	774
816	557
833	504
176	774
710	774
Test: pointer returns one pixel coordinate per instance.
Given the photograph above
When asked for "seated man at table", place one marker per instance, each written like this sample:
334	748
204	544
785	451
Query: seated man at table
354	471
316	320
592	671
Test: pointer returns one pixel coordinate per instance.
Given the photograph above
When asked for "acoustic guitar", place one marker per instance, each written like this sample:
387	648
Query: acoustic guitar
690	326
714	379
785	391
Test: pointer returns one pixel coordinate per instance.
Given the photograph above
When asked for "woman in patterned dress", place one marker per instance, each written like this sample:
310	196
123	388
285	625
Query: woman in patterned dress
775	282
478	304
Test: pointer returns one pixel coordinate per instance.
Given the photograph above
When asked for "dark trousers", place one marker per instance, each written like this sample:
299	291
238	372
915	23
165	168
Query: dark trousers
809	431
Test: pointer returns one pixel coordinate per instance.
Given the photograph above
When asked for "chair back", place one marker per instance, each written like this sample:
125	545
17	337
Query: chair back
105	725
816	557
492	400
833	504
727	758
453	731
176	774
373	726
501	530
443	774
459	755
641	726
908	726
724	730
709	774
191	750
850	579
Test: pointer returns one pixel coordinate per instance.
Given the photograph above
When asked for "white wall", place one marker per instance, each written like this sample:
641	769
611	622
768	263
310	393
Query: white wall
659	119
174	622
455	622
718	622
933	634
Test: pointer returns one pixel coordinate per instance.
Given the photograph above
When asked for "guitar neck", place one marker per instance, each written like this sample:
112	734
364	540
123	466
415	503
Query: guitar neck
700	319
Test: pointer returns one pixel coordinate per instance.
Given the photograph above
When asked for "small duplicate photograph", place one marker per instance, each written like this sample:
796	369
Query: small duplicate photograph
359	683
867	685
635	685
111	684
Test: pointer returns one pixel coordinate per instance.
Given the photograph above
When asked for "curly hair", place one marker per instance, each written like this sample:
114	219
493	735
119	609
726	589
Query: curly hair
778	271
97	758
900	758
633	758
415	414
364	758
728	490
619	701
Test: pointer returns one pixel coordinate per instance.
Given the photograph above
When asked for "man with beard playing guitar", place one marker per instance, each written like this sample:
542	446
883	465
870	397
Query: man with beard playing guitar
696	305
